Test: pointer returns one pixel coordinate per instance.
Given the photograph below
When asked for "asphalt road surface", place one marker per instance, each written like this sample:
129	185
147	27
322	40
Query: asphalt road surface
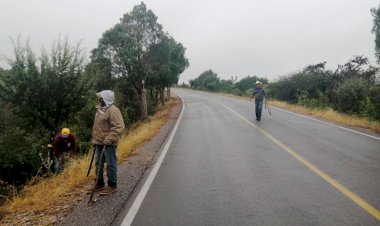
224	168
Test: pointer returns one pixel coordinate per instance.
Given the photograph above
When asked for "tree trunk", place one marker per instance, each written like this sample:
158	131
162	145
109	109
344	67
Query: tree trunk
168	91
144	106
162	96
156	97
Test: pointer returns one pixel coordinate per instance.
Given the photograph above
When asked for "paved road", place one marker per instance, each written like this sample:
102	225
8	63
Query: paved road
224	168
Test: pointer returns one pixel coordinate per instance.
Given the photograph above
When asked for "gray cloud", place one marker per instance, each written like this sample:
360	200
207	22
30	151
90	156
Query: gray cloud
234	38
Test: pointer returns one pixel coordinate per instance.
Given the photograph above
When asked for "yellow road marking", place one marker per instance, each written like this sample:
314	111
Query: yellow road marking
361	202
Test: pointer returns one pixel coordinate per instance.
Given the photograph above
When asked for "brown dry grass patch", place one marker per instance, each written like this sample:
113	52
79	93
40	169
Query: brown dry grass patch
326	114
331	115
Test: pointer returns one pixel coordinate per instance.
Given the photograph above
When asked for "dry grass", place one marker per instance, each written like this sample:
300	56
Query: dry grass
143	132
41	195
332	116
328	114
48	194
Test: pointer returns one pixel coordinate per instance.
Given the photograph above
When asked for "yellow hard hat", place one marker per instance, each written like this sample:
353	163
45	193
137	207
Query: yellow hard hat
65	132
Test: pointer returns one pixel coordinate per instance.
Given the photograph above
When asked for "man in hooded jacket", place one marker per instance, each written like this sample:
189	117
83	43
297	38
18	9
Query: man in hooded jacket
106	132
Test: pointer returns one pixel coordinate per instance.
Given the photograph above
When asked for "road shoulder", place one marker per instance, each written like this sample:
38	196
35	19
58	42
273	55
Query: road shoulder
130	172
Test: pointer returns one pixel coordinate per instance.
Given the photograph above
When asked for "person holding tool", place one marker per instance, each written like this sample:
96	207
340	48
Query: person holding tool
64	146
106	132
259	95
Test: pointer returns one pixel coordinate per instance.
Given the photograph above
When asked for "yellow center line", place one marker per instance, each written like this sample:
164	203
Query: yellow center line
359	201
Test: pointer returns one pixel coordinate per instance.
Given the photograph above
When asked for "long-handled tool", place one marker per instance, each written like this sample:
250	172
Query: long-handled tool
267	106
91	201
89	168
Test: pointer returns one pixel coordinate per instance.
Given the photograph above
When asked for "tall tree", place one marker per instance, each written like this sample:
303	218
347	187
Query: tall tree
167	61
124	48
158	60
178	63
376	29
357	67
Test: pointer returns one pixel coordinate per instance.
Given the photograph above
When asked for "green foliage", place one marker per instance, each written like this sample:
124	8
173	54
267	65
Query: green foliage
374	102
351	96
136	50
357	67
19	155
304	99
227	86
208	80
38	95
284	89
249	82
82	121
37	99
48	95
316	87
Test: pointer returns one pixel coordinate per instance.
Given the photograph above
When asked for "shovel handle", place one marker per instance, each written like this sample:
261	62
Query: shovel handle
91	201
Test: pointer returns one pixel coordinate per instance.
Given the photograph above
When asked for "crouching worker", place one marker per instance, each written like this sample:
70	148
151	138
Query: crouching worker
106	132
64	146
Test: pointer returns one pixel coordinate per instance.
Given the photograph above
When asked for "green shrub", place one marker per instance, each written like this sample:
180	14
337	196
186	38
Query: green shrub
351	96
19	155
374	99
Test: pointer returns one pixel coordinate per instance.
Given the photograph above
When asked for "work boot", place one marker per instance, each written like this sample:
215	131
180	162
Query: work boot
107	191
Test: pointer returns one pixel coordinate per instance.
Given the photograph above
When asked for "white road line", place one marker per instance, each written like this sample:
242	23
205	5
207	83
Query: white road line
144	190
341	127
355	198
331	124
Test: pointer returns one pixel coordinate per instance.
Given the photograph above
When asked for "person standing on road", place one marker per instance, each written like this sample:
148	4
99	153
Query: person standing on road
106	132
64	146
259	94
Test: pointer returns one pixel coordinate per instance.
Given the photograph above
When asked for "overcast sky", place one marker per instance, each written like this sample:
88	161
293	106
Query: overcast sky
268	38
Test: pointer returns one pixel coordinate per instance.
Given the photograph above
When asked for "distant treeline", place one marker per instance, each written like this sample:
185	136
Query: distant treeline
40	95
352	88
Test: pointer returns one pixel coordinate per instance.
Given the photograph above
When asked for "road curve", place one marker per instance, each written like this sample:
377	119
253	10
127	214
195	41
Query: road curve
224	168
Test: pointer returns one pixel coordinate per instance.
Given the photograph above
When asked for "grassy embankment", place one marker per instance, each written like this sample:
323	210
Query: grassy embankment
50	194
332	116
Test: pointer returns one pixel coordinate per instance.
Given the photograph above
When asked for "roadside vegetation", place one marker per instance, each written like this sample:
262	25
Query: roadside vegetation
42	199
136	58
42	93
350	95
331	115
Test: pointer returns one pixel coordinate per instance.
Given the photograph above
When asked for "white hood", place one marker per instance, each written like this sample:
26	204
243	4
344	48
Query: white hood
108	97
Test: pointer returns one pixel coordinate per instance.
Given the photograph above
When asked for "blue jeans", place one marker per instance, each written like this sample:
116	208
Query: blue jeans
58	165
109	157
258	109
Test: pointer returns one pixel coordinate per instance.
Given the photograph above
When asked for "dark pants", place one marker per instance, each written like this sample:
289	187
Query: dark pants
109	157
258	109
